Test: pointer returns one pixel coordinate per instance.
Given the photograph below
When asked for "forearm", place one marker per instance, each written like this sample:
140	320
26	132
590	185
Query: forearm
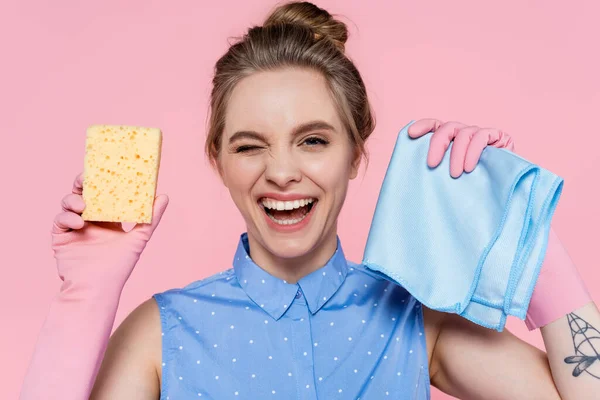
562	308
573	346
71	344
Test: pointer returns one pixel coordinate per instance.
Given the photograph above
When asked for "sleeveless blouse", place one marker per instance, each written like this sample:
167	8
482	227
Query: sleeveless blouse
341	332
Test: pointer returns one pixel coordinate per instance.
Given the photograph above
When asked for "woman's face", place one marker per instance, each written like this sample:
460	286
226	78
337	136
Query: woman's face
286	160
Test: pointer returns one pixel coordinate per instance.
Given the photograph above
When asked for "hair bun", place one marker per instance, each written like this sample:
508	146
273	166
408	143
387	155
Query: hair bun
308	14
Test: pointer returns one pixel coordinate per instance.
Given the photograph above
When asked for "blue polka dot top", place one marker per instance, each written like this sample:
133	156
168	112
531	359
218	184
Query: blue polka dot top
341	332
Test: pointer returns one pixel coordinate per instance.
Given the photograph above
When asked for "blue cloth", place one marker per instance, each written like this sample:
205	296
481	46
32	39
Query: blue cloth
471	246
341	332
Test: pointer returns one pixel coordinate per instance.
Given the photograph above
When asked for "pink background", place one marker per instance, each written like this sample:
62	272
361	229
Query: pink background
530	69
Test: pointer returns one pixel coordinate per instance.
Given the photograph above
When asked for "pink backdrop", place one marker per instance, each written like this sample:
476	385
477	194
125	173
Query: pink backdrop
530	69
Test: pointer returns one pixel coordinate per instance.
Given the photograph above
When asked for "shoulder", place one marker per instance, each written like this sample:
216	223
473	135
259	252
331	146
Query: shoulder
360	274
134	348
361	271
432	320
217	282
141	328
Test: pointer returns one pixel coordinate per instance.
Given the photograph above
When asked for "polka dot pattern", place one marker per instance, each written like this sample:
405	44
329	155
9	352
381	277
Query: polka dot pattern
259	336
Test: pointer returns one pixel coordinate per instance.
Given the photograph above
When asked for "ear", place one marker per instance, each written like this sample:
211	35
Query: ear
219	170
357	157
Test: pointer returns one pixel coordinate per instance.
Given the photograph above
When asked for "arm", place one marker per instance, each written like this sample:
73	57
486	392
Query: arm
576	372
131	365
473	362
570	324
570	327
94	260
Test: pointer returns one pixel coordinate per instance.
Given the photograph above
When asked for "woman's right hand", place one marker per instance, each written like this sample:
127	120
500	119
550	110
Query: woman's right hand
96	254
94	260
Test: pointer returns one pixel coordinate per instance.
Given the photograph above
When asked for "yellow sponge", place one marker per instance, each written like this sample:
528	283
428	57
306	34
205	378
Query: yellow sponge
120	173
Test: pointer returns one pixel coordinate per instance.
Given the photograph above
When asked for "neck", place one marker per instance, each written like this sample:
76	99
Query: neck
293	269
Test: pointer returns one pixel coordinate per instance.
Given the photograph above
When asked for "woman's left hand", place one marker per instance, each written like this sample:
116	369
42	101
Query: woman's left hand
469	142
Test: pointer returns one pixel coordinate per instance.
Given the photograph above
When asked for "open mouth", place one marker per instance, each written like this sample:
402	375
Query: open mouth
287	212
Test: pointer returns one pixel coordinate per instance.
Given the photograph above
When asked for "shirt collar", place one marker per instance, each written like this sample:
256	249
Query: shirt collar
275	295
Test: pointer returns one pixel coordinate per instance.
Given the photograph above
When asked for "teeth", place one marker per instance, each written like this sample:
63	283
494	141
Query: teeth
285	205
287	221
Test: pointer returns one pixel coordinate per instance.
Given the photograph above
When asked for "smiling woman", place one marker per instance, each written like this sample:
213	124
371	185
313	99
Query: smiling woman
292	318
286	141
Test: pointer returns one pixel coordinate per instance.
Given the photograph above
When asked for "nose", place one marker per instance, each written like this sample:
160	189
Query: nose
282	169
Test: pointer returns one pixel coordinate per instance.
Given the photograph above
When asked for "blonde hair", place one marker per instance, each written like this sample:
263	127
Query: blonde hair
296	34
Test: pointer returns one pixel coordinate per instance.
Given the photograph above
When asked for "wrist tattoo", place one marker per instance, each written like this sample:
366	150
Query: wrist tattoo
586	343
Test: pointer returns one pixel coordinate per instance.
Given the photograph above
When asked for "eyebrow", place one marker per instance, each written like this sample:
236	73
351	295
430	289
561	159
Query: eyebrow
300	129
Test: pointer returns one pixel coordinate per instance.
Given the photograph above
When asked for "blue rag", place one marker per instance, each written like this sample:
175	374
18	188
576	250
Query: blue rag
472	246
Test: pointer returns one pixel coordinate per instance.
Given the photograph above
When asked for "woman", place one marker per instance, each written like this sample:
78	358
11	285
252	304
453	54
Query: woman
293	318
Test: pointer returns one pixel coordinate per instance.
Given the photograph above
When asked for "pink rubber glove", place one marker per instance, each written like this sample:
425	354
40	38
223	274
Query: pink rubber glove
94	261
559	289
469	142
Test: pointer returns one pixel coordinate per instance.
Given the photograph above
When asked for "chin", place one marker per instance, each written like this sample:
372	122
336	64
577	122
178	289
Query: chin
289	247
